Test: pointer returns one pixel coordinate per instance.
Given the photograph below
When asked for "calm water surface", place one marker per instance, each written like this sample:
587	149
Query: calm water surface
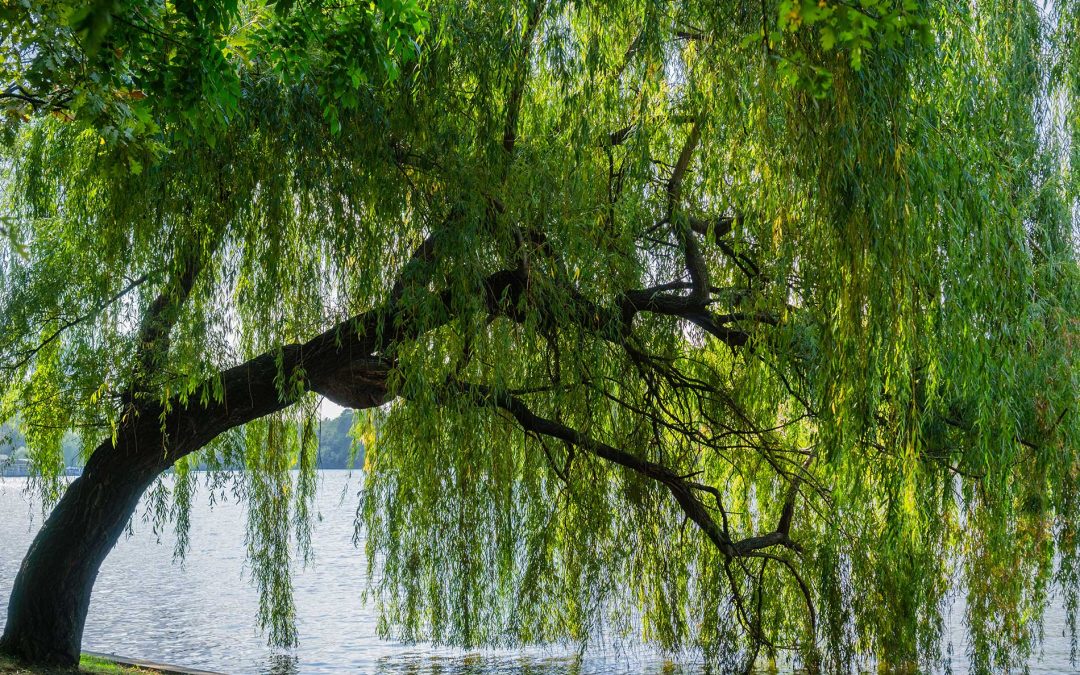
202	614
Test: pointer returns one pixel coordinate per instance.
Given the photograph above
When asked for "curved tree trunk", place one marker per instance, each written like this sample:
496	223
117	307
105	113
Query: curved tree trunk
47	608
51	594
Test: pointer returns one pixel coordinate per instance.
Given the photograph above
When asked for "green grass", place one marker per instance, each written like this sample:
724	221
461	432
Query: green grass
87	664
94	664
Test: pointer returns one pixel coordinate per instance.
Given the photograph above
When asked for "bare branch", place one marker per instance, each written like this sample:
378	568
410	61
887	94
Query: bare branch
681	489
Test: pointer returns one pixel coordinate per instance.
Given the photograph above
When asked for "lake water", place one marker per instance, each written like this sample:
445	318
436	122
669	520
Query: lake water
202	614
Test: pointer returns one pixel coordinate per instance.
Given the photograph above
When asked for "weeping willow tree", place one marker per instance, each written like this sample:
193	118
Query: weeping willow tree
742	329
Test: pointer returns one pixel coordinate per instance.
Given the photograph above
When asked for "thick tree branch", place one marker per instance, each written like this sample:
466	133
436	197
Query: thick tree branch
695	261
714	231
344	363
678	174
153	340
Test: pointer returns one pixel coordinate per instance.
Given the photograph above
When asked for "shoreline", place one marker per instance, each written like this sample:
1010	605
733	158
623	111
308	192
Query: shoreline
97	663
152	666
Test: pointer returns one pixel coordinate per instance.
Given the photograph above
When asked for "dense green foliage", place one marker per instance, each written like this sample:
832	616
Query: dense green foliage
746	328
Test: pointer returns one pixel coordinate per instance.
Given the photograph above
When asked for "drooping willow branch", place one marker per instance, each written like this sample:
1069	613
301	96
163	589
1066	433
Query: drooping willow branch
25	357
681	489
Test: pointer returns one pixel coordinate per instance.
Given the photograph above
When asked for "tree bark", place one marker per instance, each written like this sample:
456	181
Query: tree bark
48	604
51	594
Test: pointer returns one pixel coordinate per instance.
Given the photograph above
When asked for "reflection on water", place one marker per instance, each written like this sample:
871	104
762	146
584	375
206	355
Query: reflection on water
413	664
202	614
283	664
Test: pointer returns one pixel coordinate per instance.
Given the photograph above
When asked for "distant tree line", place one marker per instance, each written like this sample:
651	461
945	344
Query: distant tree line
335	443
10	439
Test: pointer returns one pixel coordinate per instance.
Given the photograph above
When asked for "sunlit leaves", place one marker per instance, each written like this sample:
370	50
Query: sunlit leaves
850	29
135	71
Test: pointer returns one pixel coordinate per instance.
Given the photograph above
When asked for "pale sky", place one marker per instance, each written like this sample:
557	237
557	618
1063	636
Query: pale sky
328	409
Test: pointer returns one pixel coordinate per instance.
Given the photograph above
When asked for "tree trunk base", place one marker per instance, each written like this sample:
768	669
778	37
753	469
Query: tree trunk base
51	594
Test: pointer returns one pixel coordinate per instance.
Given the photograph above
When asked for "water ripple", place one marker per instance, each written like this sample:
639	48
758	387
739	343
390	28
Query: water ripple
202	614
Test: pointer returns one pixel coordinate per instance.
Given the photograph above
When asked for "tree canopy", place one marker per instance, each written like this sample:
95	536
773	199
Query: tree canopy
742	328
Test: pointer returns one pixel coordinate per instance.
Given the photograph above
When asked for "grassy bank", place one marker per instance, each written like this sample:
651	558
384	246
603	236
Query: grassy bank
88	664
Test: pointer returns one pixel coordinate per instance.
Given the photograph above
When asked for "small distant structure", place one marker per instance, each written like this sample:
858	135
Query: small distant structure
14	467
22	467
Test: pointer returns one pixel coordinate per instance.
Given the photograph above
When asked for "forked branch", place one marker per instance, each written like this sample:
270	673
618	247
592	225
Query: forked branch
683	490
